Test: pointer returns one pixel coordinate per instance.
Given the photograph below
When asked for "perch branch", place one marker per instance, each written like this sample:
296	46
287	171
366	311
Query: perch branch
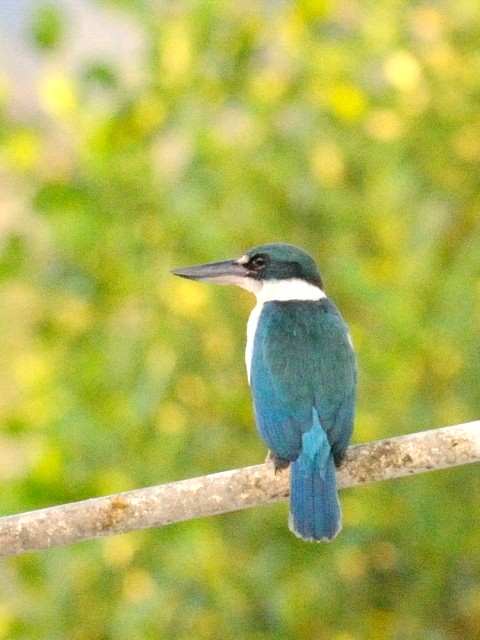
230	491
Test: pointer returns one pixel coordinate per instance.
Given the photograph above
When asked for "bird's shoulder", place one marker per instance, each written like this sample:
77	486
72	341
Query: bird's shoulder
308	319
304	339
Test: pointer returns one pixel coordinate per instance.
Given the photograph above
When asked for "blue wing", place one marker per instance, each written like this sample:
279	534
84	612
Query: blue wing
303	363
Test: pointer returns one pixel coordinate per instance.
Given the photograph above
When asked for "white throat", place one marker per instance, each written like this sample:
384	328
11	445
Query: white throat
283	290
275	290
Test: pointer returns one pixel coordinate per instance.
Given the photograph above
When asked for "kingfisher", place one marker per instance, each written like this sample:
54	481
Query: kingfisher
302	372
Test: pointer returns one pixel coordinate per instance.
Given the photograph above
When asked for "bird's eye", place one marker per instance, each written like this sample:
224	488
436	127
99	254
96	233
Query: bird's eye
258	262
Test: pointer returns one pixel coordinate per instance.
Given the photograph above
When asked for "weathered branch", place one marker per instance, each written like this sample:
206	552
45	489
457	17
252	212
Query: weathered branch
230	491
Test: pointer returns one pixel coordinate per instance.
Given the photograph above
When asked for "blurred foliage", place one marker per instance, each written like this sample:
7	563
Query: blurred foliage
350	128
47	27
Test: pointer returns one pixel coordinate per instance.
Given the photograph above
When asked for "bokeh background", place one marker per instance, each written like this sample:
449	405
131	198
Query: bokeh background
137	136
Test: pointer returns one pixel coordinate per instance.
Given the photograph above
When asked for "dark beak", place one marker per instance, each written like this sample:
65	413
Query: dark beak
225	272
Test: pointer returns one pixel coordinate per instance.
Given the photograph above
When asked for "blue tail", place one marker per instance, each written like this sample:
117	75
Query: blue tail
314	508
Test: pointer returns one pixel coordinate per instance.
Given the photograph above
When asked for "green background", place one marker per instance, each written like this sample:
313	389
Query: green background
350	128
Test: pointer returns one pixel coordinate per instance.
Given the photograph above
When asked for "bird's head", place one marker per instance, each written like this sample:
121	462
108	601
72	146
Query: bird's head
261	266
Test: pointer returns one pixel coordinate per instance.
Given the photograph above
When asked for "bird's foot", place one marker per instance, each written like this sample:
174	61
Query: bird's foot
279	464
338	458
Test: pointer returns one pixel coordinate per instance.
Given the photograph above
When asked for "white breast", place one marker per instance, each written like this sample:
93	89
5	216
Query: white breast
279	290
251	329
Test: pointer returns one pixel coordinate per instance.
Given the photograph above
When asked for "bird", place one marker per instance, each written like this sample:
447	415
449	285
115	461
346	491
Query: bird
302	372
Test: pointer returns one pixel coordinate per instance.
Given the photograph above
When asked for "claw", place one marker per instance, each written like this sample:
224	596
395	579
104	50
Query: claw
279	464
